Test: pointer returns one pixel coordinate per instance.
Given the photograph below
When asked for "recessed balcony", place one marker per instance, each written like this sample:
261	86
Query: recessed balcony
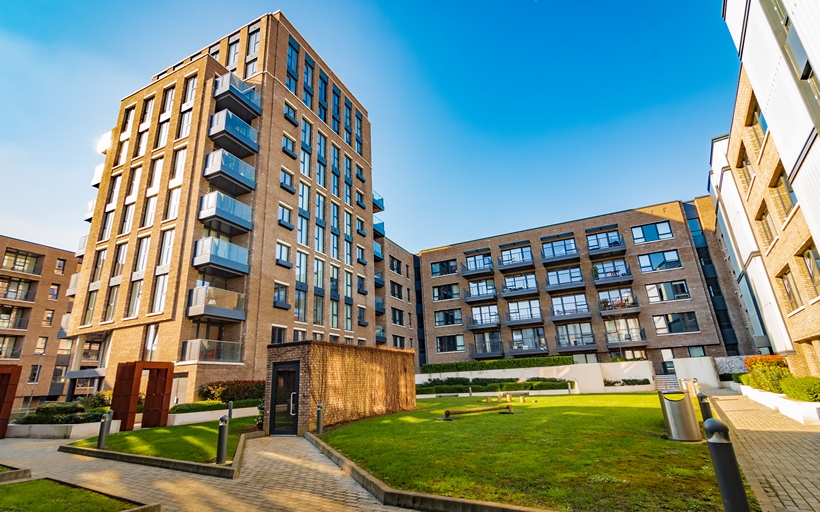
528	347
621	275
553	258
225	214
490	321
487	350
478	269
220	258
378	202
211	351
487	295
378	227
227	172
510	292
626	338
619	307
579	312
565	286
514	264
208	302
231	93
575	343
231	133
608	248
523	318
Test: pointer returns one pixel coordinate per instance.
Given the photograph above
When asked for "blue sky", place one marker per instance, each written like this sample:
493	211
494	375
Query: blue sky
487	117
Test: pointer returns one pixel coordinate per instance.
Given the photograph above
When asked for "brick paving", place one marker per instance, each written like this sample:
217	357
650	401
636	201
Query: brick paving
278	473
780	457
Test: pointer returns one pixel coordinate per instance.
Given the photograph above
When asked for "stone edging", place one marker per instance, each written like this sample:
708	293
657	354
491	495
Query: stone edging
14	474
407	499
198	468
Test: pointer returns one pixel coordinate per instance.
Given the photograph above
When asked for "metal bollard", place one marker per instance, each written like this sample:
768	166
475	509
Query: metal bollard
705	407
222	441
230	410
319	419
103	432
726	468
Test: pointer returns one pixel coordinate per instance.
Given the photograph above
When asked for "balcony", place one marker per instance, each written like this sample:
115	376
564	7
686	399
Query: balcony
489	321
523	318
378	202
72	285
207	302
220	258
510	265
231	93
17	323
486	296
377	251
620	307
626	338
510	292
528	347
575	343
487	350
81	246
227	172
378	227
559	259
231	133
610	248
617	276
212	351
89	210
19	295
378	278
565	286
478	269
225	214
579	312
379	306
381	337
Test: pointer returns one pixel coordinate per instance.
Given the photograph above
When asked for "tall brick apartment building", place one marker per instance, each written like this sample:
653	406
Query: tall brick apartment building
34	280
235	209
632	284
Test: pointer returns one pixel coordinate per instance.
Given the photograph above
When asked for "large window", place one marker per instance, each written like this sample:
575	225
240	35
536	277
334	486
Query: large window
570	304
525	310
652	232
442	268
670	290
479	261
516	255
659	261
450	343
564	276
448	317
444	292
559	248
604	240
676	323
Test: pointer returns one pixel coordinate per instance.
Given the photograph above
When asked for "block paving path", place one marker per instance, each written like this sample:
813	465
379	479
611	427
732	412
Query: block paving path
278	473
780	457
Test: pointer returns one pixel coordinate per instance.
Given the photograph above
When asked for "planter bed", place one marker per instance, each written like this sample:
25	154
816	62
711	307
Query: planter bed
807	413
52	431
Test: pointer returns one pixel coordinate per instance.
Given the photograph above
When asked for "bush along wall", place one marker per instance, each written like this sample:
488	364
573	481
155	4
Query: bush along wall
496	364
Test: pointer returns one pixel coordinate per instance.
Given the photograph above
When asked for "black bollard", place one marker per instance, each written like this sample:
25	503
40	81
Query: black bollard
222	441
103	432
705	407
319	419
726	468
230	410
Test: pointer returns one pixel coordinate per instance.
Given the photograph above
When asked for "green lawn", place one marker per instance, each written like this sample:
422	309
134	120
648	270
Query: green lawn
577	452
194	443
47	496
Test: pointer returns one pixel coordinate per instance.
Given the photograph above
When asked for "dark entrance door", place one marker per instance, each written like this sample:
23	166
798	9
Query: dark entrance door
285	402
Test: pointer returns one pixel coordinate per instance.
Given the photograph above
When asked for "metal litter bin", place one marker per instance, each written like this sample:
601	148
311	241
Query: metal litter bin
679	416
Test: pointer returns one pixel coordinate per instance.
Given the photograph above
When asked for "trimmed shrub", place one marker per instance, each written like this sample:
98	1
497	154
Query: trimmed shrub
55	408
635	382
552	384
736	377
746	379
228	390
484	382
806	389
516	386
768	378
497	364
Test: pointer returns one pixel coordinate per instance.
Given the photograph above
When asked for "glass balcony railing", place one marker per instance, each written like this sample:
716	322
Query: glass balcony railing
229	173
378	202
214	351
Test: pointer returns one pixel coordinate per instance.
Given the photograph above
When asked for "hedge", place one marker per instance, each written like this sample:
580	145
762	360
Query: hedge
496	364
228	390
806	389
212	405
60	419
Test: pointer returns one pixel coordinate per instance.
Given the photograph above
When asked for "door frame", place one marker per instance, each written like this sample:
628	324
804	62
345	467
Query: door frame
283	364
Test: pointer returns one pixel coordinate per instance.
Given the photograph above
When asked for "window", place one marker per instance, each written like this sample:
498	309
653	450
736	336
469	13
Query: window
99	262
34	375
516	255
111	303
443	292
570	304
172	210
303	231
450	343
397	316
54	292
520	282
105	230
440	268
623	330
604	240
278	335
525	309
134	299
233	53
784	194
318	310
559	248
652	232
575	335
448	317
89	307
478	262
280	294
60	267
766	227
564	276
789	288
698	351
659	261
676	323
396	290
812	261
334	314
481	288
253	42
40	348
299	306
482	315
292	67
166	247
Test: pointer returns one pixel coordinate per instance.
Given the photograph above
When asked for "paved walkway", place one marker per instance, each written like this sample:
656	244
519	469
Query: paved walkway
779	456
281	474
